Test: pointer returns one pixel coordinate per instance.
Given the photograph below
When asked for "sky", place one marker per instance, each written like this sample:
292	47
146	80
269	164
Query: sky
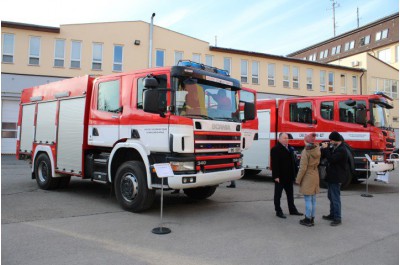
276	27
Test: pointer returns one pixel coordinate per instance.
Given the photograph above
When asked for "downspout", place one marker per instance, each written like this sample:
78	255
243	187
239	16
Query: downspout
151	41
361	82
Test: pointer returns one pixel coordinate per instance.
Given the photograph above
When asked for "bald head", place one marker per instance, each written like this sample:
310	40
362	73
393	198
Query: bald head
283	139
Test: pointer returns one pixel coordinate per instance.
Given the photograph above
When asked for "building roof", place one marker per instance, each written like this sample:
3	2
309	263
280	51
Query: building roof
349	33
282	58
18	25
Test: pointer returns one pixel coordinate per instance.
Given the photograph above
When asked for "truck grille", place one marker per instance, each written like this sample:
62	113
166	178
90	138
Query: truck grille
217	151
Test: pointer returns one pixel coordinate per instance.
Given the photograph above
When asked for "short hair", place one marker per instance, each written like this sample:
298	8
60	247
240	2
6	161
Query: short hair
282	133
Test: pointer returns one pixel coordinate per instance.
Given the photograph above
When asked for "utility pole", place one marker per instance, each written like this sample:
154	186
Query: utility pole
358	18
215	40
334	5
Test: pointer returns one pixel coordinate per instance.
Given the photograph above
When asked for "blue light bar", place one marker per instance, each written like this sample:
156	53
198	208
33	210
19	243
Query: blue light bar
204	67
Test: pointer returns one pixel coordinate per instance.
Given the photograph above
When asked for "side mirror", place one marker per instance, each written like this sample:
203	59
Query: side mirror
361	117
249	111
150	82
155	101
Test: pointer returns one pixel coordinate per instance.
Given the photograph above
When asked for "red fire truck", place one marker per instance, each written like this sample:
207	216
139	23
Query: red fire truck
362	120
114	128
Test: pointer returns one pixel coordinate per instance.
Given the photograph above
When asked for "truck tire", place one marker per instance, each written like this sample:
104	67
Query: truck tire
200	193
43	173
131	188
251	172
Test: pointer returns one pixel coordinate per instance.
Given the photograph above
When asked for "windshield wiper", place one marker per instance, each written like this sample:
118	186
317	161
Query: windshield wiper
227	118
199	115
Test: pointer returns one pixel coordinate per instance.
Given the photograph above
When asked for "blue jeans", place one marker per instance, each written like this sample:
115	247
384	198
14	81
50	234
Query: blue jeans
334	198
311	201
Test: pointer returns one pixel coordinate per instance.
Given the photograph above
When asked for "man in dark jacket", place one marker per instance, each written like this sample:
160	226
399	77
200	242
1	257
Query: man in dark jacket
284	173
336	170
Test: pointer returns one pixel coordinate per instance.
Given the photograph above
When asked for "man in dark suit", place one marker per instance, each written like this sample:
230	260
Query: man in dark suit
284	173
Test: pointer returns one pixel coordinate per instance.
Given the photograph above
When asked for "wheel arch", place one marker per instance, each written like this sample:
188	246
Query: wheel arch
127	151
46	150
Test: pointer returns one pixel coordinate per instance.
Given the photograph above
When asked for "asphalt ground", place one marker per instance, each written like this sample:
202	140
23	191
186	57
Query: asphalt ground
83	224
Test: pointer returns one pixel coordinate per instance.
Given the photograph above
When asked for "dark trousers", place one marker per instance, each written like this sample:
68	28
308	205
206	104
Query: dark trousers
288	187
334	198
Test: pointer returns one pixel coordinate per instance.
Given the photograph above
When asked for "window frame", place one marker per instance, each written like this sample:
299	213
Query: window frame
194	55
158	52
329	82
298	121
287	79
228	60
6	53
33	56
244	72
98	94
310	73
179	57
97	61
354	79
273	74
79	60
332	110
116	63
55	53
255	75
296	83
343	89
322	83
210	57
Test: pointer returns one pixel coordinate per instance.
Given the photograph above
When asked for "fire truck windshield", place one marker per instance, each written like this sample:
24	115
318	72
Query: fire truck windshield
379	116
209	100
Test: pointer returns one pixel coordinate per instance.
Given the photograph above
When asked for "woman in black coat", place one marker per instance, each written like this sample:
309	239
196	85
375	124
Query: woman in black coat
284	170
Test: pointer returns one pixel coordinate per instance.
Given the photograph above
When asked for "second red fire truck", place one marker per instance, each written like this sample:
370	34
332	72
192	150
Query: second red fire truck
362	120
114	128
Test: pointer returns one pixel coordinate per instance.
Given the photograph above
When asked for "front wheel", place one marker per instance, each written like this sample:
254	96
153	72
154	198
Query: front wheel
131	187
200	193
43	174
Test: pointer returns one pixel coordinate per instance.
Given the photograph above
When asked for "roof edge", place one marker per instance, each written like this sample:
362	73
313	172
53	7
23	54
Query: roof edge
18	25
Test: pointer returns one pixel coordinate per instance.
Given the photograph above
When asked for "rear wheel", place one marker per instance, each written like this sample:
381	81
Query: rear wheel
43	174
131	187
200	193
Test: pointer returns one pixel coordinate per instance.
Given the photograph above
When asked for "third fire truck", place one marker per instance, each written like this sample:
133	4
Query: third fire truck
362	120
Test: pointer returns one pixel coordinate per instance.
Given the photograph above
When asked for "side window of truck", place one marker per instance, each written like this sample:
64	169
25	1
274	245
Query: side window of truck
301	112
108	96
327	110
349	113
162	83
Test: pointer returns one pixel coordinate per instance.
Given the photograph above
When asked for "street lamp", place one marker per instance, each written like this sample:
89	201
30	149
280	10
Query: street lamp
151	41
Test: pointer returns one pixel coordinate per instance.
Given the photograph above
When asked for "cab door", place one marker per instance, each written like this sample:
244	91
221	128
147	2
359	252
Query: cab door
105	113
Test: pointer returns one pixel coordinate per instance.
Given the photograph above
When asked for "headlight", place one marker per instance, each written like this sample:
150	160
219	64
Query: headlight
377	158
182	166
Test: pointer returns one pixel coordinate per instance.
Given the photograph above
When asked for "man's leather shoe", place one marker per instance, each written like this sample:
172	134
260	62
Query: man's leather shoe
336	222
231	186
327	217
281	215
296	213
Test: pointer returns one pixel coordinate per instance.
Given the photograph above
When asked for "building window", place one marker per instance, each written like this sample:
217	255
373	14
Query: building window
178	57
309	79
76	47
385	55
97	56
300	112
8	48
8	130
108	96
365	40
312	57
34	50
271	74
395	87
209	60
336	50
196	57
349	45
59	52
323	54
117	65
331	82
380	35
295	77
322	81
354	84
389	87
227	64
286	75
343	88
254	72
349	113
243	71
160	58
327	110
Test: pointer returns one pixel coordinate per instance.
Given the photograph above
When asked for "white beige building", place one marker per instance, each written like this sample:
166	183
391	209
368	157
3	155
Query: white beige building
33	55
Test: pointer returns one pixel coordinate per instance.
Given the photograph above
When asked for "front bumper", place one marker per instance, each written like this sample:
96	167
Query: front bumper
205	179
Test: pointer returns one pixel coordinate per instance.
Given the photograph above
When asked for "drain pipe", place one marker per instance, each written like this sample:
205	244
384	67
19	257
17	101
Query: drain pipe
361	83
151	41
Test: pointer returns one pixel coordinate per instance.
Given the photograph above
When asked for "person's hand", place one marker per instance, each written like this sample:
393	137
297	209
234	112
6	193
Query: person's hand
276	180
297	182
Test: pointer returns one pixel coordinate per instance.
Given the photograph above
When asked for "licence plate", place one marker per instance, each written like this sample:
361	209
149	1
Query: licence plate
234	150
